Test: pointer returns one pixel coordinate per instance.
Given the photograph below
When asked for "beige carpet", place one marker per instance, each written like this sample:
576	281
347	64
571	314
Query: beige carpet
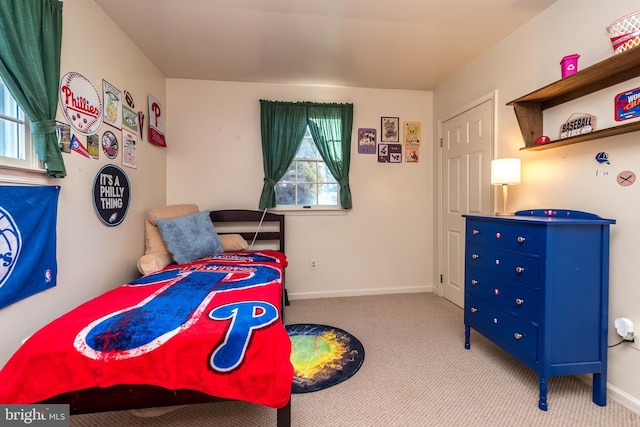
416	373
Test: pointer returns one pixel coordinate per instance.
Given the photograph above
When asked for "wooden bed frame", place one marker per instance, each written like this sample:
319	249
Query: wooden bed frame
259	227
124	397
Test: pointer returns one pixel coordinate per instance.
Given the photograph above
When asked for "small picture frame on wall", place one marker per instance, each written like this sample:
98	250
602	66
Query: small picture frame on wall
389	129
366	141
63	133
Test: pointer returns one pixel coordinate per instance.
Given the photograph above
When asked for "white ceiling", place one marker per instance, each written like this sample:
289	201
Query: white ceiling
394	44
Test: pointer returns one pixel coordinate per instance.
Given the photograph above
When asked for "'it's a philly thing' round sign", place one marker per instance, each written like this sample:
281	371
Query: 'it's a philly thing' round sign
111	194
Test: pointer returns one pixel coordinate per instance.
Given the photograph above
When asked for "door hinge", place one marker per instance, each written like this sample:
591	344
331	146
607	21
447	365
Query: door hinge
441	278
440	142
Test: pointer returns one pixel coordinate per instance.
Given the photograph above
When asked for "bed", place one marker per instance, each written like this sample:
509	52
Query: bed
116	352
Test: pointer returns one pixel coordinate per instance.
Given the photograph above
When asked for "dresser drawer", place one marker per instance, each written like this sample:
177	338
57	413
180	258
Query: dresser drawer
509	296
513	266
507	329
515	237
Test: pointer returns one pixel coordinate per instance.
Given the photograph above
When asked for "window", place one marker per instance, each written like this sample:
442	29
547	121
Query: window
307	181
16	147
293	135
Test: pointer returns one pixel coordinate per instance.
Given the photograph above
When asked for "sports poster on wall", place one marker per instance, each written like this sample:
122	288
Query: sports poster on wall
80	103
112	105
156	122
129	138
129	148
129	119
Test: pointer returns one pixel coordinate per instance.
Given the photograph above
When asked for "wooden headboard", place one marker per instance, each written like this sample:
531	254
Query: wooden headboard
263	228
269	226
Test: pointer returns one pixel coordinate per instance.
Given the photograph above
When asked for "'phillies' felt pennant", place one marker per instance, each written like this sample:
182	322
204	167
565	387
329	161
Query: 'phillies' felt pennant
77	146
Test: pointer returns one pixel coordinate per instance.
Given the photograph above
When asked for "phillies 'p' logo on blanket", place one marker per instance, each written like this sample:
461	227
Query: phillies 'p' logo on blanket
255	315
182	299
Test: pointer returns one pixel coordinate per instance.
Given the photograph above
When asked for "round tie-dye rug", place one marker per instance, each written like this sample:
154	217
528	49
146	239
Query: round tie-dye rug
322	356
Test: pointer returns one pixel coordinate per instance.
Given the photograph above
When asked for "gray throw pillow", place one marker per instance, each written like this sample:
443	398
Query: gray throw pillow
190	237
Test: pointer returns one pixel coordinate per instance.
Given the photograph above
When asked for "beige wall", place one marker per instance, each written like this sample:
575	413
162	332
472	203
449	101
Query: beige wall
382	245
566	177
91	256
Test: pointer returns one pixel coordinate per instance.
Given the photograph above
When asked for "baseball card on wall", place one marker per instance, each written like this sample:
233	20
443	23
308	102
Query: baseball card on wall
63	133
93	146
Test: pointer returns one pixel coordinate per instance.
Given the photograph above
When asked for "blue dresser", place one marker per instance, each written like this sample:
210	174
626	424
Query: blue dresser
536	284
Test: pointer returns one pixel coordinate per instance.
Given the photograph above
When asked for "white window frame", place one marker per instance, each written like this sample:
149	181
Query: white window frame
27	169
303	208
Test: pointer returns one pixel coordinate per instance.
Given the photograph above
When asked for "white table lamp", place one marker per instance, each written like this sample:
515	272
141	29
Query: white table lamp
505	172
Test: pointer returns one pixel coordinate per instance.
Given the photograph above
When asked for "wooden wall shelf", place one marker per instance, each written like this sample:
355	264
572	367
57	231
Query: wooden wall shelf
528	108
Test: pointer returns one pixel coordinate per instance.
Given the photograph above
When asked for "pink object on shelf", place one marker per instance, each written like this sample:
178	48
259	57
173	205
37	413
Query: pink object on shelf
569	65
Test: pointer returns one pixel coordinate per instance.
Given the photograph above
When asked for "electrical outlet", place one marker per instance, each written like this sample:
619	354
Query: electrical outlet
312	264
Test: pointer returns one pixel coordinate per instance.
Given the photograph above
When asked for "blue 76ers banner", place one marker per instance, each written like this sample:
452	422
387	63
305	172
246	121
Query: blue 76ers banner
27	241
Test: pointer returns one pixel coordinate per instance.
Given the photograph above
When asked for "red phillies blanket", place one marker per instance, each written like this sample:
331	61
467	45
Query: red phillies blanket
213	326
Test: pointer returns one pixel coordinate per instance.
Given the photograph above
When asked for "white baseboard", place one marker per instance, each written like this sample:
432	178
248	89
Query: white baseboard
623	398
358	292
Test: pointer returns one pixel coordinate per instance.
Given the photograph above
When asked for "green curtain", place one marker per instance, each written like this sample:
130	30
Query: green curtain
282	125
330	126
30	45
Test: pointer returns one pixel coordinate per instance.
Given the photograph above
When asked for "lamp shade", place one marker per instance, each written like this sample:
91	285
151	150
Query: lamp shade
505	171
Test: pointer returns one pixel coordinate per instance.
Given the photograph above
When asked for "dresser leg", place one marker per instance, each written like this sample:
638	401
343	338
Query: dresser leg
542	403
467	334
600	389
